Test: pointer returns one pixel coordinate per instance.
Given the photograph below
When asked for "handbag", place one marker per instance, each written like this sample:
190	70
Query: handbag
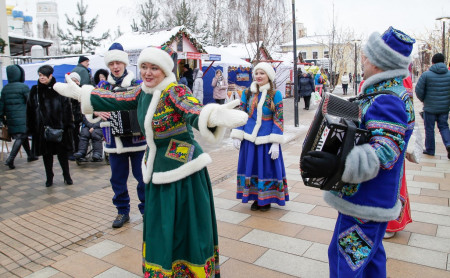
5	134
53	134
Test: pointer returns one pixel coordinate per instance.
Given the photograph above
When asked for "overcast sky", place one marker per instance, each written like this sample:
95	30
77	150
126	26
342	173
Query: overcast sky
414	17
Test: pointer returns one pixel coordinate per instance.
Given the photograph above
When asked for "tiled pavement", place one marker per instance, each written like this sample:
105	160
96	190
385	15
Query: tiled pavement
65	231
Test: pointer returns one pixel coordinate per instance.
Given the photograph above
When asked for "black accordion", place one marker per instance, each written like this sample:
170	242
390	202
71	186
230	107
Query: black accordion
334	130
125	123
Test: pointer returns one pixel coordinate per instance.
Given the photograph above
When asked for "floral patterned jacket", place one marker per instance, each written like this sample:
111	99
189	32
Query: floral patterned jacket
166	115
263	125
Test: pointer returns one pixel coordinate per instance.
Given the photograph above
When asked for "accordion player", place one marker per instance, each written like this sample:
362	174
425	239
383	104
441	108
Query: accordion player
334	130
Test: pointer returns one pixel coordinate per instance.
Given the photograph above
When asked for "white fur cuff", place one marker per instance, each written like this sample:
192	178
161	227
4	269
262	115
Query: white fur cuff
205	114
361	164
91	118
237	134
86	105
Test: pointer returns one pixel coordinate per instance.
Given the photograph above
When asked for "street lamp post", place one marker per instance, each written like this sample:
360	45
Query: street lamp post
295	66
443	19
356	67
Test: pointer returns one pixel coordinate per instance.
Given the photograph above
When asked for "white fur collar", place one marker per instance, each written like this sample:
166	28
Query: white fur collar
161	86
261	88
385	75
126	82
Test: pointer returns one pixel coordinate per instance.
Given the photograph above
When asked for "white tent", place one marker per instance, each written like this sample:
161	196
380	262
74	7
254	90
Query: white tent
61	67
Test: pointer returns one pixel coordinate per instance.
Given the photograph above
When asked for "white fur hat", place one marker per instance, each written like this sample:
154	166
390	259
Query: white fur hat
157	57
267	68
75	75
116	53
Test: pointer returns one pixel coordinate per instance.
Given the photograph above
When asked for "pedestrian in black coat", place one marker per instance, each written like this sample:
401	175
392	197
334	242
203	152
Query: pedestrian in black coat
305	88
45	107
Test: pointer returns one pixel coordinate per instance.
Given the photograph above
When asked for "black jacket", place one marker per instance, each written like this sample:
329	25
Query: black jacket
46	107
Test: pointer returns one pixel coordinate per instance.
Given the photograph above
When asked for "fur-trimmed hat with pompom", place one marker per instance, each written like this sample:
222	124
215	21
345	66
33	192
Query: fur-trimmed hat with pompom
267	68
157	56
116	53
389	51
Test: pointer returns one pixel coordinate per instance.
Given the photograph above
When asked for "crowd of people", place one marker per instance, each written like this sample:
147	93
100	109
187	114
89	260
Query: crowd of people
169	166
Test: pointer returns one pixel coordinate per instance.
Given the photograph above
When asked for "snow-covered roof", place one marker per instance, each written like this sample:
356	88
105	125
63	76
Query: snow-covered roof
309	41
243	50
137	41
227	58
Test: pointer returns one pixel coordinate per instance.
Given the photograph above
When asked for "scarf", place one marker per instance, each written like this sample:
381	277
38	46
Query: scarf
120	79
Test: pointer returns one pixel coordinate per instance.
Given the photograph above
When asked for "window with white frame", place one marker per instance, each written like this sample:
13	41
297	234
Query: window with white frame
326	54
315	55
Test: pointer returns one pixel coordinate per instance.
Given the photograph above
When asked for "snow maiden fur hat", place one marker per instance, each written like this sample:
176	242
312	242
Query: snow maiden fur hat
267	68
162	57
389	51
116	53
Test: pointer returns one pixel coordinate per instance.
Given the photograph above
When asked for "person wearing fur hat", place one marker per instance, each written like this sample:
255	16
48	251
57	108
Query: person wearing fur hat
122	148
99	76
261	175
180	231
373	171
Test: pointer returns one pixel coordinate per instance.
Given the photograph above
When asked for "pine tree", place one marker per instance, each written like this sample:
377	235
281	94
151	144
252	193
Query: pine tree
183	15
149	17
79	37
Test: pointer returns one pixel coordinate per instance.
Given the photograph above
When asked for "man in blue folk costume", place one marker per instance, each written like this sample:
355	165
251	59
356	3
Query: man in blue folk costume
373	171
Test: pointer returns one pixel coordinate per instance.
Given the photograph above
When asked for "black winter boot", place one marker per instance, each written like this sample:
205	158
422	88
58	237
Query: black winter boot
15	149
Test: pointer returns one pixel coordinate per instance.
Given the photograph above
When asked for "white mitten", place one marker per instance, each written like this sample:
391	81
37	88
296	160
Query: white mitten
225	115
237	143
274	151
71	89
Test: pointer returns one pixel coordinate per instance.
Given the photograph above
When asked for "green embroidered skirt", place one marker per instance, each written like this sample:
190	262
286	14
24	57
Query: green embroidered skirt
180	230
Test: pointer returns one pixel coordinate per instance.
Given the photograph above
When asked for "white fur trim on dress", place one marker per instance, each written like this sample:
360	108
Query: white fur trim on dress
237	134
385	75
85	101
105	124
121	149
148	169
267	68
263	89
383	56
205	114
126	82
91	119
116	55
377	214
272	138
362	164
183	171
157	57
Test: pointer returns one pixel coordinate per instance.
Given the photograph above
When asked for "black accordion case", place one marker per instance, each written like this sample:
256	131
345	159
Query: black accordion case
335	130
125	123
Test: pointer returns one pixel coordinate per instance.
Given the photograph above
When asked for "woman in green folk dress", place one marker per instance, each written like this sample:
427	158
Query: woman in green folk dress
180	231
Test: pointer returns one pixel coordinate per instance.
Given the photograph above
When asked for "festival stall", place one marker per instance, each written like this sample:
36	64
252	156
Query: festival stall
234	69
